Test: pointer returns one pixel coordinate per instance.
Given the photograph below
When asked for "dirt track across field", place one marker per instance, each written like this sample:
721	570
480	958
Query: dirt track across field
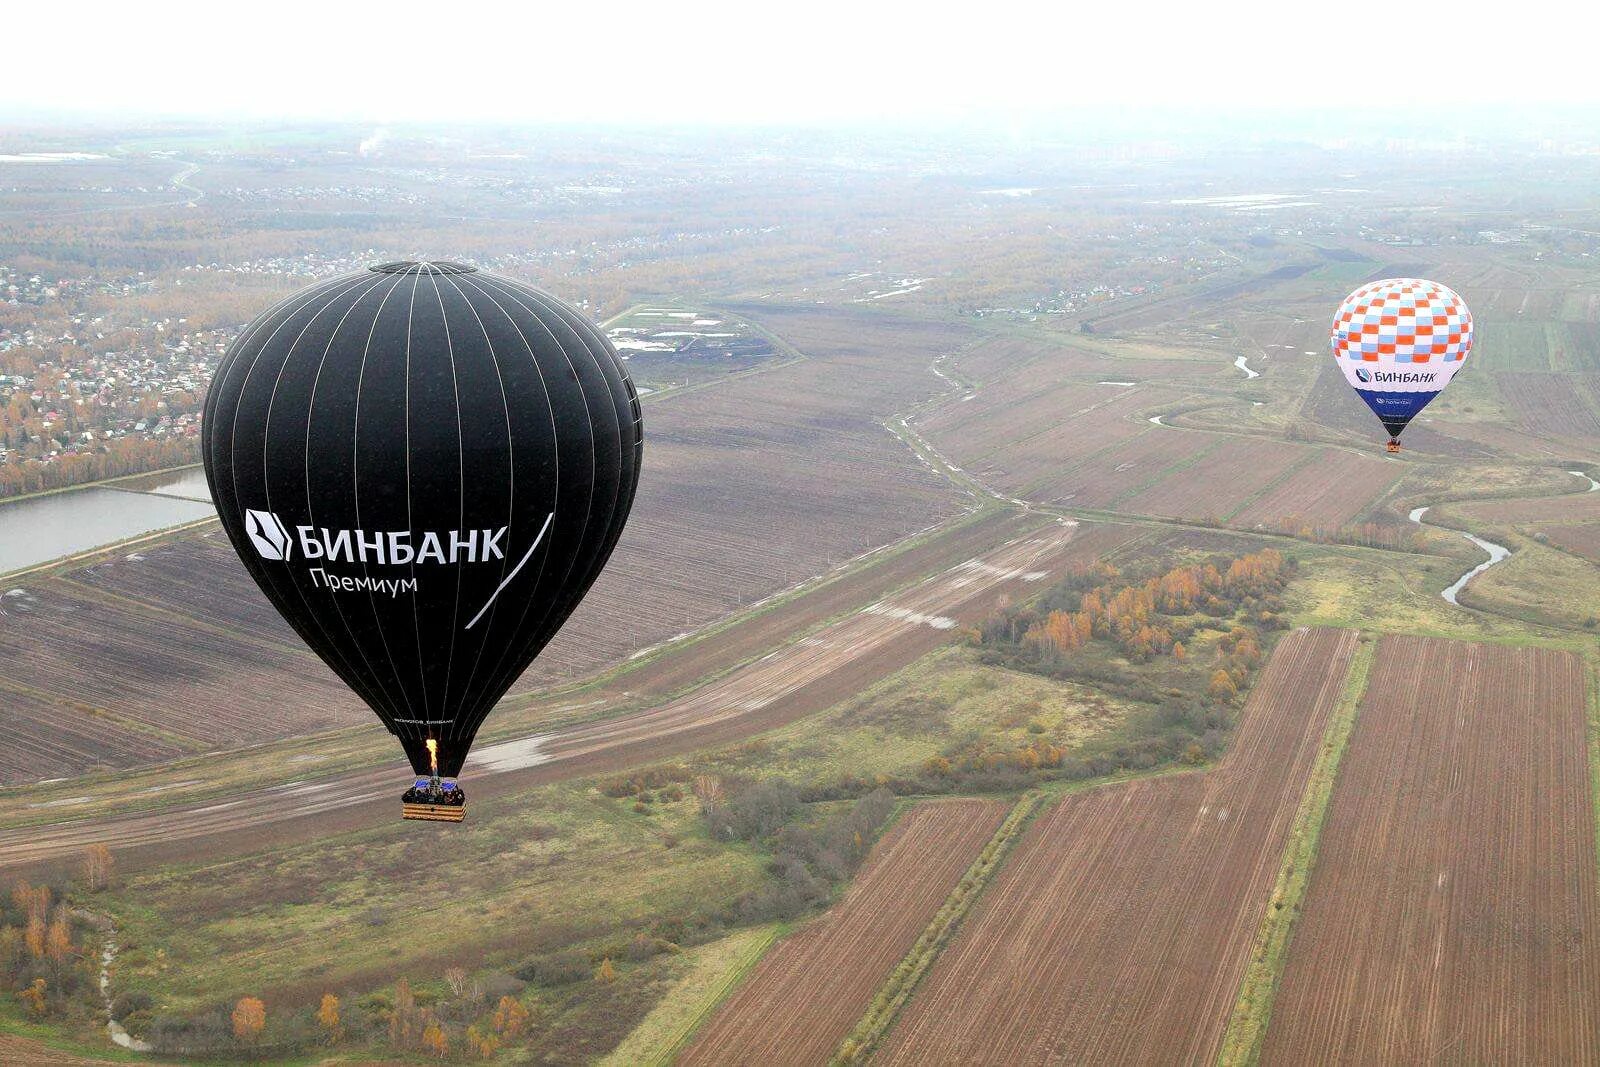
795	680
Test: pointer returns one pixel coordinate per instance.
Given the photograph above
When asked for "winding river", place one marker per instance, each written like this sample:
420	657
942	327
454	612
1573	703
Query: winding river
1496	554
108	956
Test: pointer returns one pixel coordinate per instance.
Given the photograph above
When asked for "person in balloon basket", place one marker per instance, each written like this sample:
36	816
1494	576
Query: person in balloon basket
432	791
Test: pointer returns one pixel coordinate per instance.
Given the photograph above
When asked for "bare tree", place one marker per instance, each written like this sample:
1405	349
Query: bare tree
97	867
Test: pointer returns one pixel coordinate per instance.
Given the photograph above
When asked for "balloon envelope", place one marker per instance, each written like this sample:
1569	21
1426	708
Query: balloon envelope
424	467
1399	342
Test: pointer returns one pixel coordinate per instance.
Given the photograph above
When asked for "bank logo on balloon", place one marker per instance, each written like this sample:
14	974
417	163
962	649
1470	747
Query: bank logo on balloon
268	533
1364	374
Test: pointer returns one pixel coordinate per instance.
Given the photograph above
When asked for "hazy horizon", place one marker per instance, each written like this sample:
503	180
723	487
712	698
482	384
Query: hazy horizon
718	64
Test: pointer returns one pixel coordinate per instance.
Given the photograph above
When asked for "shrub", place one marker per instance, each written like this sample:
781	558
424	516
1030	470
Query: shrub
555	970
130	1002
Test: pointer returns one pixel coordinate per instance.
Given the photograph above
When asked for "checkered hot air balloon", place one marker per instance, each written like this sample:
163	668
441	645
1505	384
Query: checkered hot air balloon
1399	342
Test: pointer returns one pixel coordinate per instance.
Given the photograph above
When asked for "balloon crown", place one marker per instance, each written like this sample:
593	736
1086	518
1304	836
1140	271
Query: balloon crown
412	266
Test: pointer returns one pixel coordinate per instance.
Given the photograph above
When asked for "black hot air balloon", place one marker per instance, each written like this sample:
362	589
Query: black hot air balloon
424	467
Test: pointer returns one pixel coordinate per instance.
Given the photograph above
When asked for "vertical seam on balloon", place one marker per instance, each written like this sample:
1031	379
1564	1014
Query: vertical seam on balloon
266	436
591	338
516	292
511	458
355	492
233	437
214	394
416	622
491	683
380	688
587	331
491	686
588	334
513	652
461	498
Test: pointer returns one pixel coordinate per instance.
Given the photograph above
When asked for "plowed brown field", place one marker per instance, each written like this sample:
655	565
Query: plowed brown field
1119	930
1553	405
1326	493
804	997
1581	538
1453	916
1111	472
1226	474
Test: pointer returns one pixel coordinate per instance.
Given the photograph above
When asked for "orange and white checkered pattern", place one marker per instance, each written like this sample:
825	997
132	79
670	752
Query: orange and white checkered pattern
1402	320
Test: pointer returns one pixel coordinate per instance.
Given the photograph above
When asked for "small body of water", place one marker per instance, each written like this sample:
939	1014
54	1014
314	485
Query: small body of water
190	483
45	528
1593	485
1248	373
1496	554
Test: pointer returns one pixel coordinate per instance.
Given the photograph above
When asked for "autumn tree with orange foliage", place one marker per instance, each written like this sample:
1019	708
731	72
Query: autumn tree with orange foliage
58	939
403	1019
510	1017
328	1018
434	1039
33	997
249	1019
482	1043
1222	688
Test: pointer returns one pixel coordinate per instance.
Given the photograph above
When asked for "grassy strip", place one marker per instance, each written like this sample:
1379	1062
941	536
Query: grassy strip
849	569
942	467
903	980
1241	1044
667	1030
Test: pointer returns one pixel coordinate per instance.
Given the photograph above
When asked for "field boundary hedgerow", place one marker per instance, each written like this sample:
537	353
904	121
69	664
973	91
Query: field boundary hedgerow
1241	1043
903	980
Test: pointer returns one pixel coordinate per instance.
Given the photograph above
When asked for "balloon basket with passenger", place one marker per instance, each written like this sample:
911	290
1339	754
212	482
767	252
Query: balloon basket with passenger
434	799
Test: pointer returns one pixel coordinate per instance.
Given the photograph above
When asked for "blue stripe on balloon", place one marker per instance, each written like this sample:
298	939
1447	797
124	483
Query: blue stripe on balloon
1396	405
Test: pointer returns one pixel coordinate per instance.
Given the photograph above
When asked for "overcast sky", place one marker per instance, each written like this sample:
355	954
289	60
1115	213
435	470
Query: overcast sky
802	61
